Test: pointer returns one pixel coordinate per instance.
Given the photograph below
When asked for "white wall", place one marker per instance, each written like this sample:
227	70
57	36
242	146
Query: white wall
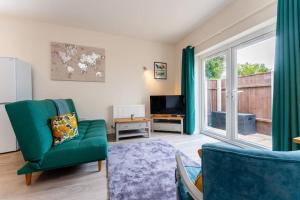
234	19
126	82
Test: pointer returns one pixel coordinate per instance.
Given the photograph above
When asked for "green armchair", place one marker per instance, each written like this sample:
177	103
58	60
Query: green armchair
230	173
31	124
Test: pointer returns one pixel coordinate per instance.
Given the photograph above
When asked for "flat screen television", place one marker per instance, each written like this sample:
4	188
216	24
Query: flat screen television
170	104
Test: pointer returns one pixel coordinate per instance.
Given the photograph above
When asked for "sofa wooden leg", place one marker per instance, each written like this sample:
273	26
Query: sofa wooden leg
99	165
106	168
28	178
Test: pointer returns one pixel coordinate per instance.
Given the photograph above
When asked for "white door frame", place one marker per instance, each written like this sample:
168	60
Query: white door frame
230	51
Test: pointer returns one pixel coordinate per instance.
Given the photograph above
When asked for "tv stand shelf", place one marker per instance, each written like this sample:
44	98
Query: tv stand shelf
127	127
169	123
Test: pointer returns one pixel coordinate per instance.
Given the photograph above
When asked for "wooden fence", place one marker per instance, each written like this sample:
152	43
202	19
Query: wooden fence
254	96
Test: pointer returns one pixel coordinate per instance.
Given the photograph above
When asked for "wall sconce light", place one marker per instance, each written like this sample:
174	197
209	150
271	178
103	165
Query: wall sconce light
145	68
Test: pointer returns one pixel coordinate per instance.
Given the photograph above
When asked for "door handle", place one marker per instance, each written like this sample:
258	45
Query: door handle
237	91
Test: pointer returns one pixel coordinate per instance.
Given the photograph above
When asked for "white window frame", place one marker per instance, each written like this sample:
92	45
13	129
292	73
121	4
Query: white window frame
230	48
204	112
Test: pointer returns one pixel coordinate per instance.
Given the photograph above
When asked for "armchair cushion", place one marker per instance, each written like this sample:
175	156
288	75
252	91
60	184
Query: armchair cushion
234	173
192	173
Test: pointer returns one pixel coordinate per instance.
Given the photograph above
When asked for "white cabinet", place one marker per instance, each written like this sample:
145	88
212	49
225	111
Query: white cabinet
127	127
23	81
15	85
7	80
167	123
8	140
166	127
132	126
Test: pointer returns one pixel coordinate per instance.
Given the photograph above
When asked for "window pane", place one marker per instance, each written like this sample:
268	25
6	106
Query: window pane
255	71
215	73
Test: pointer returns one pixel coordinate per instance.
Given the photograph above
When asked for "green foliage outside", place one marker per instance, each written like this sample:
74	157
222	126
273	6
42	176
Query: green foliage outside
215	67
250	69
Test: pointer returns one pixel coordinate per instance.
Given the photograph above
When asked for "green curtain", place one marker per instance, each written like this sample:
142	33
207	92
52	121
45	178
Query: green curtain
286	96
188	87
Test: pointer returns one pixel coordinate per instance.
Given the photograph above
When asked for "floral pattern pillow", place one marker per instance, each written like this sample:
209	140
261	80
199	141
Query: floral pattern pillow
198	181
64	128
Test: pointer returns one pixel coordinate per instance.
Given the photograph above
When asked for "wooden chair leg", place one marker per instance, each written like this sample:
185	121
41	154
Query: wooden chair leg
99	165
28	178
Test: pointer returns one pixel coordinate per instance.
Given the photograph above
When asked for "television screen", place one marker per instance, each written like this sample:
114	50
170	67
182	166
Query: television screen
171	104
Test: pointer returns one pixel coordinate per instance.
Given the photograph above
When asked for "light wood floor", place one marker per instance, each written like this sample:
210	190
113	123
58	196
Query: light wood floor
77	183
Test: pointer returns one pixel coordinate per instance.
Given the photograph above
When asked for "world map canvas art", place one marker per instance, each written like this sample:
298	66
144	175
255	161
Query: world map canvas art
70	62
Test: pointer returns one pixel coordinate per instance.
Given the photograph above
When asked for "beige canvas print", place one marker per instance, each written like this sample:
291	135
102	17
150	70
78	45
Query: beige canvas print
71	62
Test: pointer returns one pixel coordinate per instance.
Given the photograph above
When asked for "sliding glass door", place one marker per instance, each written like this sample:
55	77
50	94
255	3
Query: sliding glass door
254	64
236	90
215	89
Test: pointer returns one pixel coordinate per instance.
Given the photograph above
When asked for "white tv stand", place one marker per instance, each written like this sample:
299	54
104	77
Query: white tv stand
169	123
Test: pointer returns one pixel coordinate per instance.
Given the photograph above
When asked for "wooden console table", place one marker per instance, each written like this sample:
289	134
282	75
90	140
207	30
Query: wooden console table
168	123
127	127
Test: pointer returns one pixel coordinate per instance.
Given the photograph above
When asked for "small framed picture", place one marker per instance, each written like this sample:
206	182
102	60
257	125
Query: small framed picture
160	70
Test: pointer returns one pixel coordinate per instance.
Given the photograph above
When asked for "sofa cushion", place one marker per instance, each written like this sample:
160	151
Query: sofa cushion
90	145
72	107
30	121
64	128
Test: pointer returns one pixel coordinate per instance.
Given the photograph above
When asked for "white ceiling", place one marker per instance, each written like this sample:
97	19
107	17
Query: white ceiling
158	20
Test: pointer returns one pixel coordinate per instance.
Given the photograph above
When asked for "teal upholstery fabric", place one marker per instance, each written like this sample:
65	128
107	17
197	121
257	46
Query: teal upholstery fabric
90	145
233	173
188	87
62	106
192	173
31	123
72	107
286	102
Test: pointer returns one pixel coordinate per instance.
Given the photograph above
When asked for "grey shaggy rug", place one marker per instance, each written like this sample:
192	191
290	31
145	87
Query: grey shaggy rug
143	170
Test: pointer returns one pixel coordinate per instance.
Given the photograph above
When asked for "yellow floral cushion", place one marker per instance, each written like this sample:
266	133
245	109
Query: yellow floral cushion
64	127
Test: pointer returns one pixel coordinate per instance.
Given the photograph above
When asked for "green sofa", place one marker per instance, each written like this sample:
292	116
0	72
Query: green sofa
31	124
